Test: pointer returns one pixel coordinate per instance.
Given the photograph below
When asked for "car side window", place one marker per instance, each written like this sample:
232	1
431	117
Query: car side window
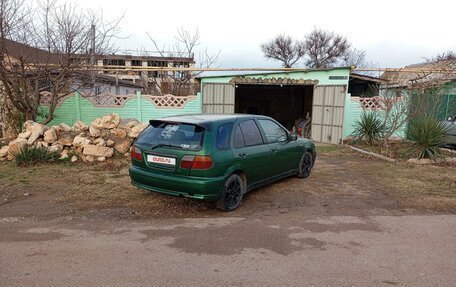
274	132
252	135
222	140
238	138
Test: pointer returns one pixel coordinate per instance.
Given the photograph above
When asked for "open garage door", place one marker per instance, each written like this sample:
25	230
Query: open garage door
218	98
287	104
328	114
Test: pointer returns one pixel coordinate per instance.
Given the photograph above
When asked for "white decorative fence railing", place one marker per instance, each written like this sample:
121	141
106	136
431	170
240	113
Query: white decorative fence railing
373	103
376	103
169	101
110	100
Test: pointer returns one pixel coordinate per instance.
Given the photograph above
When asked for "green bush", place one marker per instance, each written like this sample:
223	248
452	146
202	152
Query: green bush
369	128
426	134
34	155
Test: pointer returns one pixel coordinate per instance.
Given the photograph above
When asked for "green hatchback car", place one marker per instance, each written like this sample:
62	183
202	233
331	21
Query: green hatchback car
217	157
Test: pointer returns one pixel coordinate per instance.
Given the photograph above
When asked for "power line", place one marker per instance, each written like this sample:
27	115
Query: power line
114	68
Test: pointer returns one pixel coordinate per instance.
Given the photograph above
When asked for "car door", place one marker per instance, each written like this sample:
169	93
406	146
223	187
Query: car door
251	152
283	155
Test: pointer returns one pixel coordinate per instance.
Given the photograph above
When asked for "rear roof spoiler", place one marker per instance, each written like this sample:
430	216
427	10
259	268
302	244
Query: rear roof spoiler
206	126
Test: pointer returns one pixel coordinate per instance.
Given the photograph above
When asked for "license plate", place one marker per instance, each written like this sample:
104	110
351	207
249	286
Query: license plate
161	160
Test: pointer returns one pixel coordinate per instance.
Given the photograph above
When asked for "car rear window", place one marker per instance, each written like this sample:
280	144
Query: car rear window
176	135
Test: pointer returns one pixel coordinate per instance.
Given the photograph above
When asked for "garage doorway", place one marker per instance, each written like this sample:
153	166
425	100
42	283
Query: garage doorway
287	103
291	105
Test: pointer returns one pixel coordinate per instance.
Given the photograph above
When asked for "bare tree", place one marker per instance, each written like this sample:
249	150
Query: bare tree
356	57
324	49
12	15
47	52
285	49
320	49
187	45
448	55
395	113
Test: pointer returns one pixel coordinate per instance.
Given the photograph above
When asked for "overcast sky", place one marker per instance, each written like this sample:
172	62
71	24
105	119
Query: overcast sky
393	33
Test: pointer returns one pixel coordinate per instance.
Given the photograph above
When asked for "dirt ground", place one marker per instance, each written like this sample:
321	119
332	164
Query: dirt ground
356	221
343	182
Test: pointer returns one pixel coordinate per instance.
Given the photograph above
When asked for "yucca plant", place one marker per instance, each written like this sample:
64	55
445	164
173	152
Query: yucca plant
426	134
33	155
369	128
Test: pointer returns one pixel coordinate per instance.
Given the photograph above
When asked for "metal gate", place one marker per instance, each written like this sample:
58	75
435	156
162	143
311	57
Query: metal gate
218	98
328	113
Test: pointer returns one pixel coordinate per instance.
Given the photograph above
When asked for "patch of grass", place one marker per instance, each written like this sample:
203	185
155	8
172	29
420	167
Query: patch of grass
24	181
395	149
421	187
33	155
399	150
4	174
327	149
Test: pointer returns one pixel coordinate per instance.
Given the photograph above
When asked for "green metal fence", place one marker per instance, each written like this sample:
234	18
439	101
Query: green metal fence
448	107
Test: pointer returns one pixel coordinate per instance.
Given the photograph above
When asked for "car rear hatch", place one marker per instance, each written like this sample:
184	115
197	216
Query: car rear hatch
169	147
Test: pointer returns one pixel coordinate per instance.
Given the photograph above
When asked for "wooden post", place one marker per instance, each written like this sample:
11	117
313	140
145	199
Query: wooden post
77	103
139	106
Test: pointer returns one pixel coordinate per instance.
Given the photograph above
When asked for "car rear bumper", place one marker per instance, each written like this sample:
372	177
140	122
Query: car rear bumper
193	187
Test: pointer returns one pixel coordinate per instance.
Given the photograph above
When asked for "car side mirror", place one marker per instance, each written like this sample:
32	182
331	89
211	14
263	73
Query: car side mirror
293	137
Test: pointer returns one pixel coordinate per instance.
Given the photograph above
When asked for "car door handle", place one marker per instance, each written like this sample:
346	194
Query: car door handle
274	149
242	155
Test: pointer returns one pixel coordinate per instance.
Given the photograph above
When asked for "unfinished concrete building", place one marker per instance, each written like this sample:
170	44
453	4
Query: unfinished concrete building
154	82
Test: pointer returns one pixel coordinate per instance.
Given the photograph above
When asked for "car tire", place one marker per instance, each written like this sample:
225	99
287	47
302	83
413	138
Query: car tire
233	190
305	165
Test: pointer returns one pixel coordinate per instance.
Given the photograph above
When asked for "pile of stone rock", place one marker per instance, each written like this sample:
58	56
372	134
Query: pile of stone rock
103	138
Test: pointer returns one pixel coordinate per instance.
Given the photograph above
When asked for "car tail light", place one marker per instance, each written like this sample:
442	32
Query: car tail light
136	153
202	162
187	161
196	162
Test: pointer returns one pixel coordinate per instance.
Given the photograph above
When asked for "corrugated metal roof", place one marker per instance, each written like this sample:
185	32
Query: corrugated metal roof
368	78
305	70
272	81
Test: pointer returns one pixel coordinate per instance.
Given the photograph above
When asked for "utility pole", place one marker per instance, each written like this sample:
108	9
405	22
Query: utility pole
92	45
92	53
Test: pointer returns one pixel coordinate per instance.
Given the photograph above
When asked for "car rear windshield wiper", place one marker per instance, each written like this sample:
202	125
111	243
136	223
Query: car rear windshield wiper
163	144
